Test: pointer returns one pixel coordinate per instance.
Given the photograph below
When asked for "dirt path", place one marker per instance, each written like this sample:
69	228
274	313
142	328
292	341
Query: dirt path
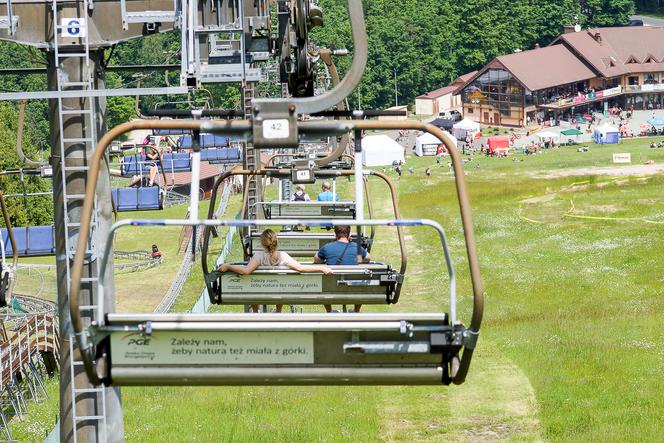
615	171
496	403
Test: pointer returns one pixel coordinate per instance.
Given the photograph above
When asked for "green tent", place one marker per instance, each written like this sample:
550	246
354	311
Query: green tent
572	131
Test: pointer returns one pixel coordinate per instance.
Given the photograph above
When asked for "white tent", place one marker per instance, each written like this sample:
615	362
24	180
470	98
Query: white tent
547	134
606	128
465	126
427	144
380	150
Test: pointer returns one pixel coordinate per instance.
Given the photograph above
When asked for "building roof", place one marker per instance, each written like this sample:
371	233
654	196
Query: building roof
463	79
546	67
618	51
437	93
184	178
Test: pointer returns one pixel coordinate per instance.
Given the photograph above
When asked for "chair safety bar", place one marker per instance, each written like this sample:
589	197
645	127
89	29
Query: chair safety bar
276	210
361	284
244	128
285	349
287	222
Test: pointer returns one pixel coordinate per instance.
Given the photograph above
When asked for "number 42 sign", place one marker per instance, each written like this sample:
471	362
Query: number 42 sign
73	27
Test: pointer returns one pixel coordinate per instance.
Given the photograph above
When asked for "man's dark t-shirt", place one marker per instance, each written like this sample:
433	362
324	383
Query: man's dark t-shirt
331	252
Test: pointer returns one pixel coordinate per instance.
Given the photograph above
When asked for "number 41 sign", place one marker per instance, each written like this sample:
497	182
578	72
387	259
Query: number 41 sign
73	27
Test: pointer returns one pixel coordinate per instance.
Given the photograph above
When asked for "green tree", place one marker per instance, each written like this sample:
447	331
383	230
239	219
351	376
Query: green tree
29	210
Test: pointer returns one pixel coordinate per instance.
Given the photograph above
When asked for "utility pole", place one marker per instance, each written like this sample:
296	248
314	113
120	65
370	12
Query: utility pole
396	96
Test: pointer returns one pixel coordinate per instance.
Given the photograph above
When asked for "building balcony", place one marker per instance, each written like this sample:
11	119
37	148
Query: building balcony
591	97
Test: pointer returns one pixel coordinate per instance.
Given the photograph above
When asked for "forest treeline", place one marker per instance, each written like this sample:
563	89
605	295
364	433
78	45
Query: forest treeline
423	43
428	43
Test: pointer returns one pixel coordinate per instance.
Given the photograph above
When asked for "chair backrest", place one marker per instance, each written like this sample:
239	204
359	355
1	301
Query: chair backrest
31	240
134	165
225	155
127	199
204	141
176	162
41	240
212	141
20	236
148	198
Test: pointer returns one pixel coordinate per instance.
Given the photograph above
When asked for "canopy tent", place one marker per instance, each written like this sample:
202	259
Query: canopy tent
499	144
606	134
380	150
464	127
445	123
656	121
427	144
572	132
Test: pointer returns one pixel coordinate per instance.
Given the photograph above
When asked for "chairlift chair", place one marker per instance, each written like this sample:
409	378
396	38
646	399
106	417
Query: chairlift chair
381	283
28	240
291	348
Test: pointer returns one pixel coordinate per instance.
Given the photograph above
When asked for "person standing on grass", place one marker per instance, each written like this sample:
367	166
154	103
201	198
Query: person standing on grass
341	252
271	256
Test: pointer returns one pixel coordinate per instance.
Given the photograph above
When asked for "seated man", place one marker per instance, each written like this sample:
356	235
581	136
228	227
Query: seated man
341	252
327	195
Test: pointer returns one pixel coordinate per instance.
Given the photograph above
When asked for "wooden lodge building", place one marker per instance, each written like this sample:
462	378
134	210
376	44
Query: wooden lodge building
580	73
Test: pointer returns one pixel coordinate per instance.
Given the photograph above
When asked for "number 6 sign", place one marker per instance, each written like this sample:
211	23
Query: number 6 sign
73	27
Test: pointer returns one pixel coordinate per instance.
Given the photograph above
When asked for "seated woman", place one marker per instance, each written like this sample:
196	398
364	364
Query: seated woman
272	257
139	181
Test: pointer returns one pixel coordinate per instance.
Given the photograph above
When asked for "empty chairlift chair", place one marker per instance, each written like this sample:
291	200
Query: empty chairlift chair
221	155
138	199
176	162
31	240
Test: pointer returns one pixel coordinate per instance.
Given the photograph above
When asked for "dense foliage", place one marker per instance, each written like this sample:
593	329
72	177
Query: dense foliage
650	5
23	210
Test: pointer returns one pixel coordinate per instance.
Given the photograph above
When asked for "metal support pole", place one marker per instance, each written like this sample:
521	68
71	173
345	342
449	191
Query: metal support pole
359	190
78	126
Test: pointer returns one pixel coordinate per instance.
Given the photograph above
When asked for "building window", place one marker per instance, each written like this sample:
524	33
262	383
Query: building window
497	90
633	80
651	78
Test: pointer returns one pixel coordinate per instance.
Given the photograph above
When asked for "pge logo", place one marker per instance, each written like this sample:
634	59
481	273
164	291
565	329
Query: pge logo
136	339
73	27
